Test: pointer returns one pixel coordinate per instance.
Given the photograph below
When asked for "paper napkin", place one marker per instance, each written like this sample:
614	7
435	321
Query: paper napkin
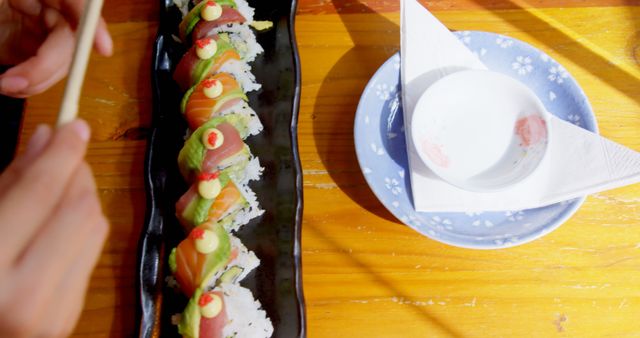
578	162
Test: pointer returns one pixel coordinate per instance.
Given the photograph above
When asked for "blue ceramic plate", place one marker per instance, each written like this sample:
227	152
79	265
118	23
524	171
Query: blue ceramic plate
381	149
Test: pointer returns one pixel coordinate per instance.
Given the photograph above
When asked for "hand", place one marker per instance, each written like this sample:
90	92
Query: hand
51	234
38	37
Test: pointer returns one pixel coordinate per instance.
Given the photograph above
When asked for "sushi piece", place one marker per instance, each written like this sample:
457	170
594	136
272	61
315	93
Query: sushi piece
240	35
214	13
232	207
208	199
242	262
229	310
219	93
209	56
209	257
217	145
241	71
198	258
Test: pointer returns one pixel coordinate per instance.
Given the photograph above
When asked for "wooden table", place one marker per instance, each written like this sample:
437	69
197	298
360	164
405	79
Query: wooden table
366	274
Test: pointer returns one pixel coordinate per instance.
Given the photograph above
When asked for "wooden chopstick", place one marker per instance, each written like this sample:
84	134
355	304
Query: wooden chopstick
84	41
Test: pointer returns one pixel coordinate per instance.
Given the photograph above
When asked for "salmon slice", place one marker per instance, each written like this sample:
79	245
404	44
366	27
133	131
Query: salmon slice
229	197
200	108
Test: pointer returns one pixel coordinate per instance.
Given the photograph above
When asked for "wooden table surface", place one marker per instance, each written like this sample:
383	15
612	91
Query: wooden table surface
366	274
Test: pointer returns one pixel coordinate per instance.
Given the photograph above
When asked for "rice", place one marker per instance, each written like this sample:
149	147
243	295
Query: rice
247	11
242	72
242	39
246	318
245	170
183	6
172	283
246	259
253	170
249	212
254	125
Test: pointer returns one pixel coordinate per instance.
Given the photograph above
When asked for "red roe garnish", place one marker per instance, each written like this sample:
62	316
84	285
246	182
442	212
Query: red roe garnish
208	83
208	176
205	299
213	137
203	42
197	233
211	3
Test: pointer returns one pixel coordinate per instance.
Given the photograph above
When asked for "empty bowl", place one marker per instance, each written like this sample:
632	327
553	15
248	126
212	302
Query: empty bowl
480	130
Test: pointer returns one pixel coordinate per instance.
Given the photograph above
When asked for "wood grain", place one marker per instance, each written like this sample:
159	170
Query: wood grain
365	274
377	6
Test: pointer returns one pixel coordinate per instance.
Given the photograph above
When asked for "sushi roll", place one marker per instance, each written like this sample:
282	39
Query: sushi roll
214	147
210	18
240	35
241	71
198	258
228	204
211	14
208	200
217	145
229	310
209	257
217	164
242	262
219	94
211	55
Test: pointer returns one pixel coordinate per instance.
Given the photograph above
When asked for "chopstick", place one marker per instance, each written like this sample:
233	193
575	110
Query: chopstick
84	41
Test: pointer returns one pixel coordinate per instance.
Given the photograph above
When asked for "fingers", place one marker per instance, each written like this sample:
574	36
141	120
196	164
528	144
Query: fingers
55	271
51	62
104	42
47	67
72	11
76	280
39	187
57	244
27	7
37	143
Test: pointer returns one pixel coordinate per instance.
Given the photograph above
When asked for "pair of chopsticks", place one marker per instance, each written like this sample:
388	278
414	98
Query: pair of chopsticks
84	41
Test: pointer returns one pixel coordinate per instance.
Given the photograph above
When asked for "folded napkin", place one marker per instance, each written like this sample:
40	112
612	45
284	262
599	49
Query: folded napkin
578	162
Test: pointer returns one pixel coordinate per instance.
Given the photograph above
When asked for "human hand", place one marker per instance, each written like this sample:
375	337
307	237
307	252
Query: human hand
51	234
38	37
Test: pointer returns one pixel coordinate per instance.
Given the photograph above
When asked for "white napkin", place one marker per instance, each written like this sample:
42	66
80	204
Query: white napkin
578	163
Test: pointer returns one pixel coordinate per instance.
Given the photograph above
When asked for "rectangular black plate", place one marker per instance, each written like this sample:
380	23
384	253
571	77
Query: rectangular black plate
275	236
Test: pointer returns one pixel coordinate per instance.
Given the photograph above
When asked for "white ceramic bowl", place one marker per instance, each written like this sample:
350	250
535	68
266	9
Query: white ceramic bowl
480	130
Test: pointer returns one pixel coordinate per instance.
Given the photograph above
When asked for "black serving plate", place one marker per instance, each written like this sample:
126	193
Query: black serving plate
275	236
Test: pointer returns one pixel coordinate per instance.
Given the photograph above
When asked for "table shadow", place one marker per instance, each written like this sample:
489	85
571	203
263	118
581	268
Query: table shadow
422	311
338	156
634	41
345	171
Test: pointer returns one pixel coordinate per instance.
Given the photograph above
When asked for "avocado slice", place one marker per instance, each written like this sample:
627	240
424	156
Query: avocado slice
185	99
193	152
173	266
197	211
190	21
189	326
202	68
192	18
219	258
231	275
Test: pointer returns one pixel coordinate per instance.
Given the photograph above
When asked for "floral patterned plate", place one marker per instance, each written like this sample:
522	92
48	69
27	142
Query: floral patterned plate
380	146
